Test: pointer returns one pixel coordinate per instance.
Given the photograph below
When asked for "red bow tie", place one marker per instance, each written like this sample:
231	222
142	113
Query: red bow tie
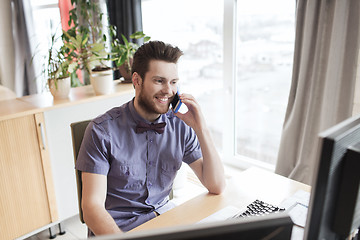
143	127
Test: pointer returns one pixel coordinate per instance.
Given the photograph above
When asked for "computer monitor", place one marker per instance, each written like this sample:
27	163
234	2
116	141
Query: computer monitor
334	209
272	226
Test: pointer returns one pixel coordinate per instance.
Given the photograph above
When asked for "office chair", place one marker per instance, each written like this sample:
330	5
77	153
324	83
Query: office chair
77	133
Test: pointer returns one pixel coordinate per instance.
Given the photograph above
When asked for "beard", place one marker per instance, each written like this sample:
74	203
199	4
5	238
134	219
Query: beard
147	104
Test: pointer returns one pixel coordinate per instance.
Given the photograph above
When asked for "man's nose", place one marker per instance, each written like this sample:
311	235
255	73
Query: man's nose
167	88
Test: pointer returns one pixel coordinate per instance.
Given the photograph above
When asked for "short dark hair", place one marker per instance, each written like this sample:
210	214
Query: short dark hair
154	50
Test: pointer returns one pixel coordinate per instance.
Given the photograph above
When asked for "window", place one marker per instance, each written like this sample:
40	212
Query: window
265	46
238	70
46	20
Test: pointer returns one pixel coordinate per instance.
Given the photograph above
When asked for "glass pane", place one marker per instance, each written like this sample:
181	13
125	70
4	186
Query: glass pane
46	21
265	46
196	27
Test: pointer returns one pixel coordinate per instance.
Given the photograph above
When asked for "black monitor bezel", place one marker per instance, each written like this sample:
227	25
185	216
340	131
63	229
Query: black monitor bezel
246	228
333	144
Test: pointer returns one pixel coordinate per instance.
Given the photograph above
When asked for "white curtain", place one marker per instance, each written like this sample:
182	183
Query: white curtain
16	70
323	81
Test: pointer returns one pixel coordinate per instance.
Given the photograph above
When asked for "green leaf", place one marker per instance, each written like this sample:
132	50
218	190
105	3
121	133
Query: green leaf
112	30
137	35
97	47
125	40
84	41
122	59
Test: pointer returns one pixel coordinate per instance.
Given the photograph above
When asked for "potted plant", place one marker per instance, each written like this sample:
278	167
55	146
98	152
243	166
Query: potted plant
87	45
124	53
56	70
89	57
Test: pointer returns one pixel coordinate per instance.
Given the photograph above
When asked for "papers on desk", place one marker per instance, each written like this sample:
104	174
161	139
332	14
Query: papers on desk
297	207
221	215
300	196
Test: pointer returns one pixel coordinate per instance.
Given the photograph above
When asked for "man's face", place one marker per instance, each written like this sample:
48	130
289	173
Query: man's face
157	89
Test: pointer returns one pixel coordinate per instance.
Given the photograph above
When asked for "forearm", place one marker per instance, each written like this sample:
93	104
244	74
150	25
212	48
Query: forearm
213	177
209	169
99	220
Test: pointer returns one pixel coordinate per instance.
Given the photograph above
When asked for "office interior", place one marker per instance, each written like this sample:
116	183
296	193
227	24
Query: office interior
268	75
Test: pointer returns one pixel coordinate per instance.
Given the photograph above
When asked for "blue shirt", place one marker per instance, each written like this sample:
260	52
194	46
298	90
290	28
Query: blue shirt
140	168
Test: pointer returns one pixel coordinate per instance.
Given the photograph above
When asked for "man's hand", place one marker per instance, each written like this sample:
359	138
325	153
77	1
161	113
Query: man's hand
193	117
209	168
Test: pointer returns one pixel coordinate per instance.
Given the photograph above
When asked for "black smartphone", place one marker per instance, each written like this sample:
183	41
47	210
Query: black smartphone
176	103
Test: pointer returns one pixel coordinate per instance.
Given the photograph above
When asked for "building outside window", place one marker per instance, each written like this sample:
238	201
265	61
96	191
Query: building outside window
265	47
264	33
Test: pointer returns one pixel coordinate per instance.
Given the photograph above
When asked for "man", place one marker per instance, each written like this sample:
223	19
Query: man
128	167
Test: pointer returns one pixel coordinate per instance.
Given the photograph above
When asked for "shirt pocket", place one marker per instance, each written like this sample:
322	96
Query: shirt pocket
131	176
168	173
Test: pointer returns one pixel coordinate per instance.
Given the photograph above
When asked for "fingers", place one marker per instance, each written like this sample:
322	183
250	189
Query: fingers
193	117
190	103
188	99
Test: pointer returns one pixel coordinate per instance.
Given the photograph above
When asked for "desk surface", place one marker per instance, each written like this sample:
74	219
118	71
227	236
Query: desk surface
242	189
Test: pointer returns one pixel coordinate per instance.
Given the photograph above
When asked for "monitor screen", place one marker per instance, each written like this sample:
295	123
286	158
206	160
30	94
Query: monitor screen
334	201
272	226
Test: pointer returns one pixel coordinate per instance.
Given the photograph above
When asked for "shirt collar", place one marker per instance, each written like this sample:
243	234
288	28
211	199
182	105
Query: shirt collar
137	118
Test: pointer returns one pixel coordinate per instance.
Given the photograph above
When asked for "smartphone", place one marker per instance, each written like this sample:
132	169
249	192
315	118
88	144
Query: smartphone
176	103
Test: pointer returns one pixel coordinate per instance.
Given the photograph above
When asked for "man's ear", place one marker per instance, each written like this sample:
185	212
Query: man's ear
136	79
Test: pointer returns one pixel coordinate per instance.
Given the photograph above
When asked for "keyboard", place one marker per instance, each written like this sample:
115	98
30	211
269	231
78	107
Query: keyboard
255	208
295	205
258	208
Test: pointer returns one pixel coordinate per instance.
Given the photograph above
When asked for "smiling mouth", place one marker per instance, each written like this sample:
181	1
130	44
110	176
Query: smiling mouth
163	99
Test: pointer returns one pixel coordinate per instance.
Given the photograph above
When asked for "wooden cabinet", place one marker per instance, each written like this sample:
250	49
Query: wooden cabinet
37	173
27	199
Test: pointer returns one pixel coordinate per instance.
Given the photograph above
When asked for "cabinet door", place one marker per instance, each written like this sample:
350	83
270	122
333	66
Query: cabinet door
26	192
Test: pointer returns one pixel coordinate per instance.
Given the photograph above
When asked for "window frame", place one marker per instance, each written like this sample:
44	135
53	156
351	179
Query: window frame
229	155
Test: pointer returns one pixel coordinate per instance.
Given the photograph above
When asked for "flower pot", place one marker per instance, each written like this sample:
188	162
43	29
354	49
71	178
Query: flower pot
60	88
102	82
126	72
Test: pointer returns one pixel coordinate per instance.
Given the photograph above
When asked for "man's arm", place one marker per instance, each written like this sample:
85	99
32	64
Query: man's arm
209	168
95	215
